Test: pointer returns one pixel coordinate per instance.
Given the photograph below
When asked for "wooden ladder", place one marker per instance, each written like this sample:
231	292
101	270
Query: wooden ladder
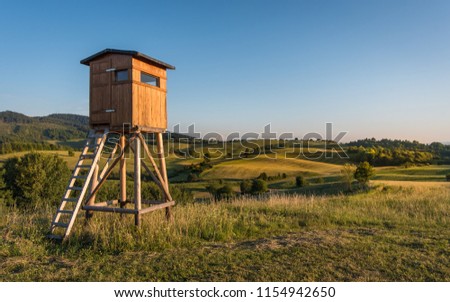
78	185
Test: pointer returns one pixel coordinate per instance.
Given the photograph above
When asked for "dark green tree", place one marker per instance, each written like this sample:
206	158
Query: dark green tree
246	186
300	181
259	186
363	173
263	176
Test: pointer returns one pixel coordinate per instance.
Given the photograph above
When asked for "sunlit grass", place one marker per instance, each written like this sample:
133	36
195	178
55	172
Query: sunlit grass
389	233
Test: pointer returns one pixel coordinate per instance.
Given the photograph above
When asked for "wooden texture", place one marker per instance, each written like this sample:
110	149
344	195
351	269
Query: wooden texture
156	168
122	172
94	183
162	165
157	207
137	181
77	198
111	209
131	102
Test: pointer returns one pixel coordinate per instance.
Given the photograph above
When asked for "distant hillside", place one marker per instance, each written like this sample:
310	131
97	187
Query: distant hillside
17	127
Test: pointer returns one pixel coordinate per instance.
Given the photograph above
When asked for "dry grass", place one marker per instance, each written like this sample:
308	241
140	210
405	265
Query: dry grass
387	234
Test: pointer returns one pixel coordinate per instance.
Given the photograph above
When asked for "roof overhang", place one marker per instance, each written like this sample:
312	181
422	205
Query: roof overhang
134	54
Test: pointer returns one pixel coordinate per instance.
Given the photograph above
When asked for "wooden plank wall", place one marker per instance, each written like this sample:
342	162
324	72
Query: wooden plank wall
136	103
149	102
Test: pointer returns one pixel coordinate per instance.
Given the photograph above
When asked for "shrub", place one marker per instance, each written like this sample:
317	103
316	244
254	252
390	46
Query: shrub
263	176
259	186
363	172
36	179
246	187
181	195
300	181
447	177
70	153
219	191
225	192
348	172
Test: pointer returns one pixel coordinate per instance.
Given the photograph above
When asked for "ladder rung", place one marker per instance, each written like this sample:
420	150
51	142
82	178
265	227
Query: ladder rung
54	237
65	211
87	156
83	166
75	188
70	199
79	177
60	224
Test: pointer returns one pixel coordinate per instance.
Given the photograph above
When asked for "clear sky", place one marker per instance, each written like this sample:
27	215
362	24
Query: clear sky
373	68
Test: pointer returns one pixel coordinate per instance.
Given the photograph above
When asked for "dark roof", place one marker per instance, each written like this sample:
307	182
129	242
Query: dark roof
133	53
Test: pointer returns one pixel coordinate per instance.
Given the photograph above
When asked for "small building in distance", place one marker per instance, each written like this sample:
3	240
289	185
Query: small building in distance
127	88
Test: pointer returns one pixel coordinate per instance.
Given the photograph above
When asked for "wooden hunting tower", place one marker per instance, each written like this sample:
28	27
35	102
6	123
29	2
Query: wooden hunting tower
127	87
127	99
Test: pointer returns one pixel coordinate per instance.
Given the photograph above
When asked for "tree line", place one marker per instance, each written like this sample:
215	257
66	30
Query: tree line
388	152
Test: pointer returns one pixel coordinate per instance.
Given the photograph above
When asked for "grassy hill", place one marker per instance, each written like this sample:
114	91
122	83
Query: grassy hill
16	127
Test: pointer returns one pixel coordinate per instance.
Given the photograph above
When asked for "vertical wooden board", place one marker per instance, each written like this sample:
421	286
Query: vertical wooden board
100	92
101	97
136	75
121	61
144	106
121	103
100	65
100	79
155	107
162	84
163	111
136	104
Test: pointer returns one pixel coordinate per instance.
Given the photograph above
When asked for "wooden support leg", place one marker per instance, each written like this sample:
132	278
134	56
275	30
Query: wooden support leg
162	166
91	200
123	173
137	181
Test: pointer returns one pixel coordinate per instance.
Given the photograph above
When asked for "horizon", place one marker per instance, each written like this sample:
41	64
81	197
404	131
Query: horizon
261	136
375	69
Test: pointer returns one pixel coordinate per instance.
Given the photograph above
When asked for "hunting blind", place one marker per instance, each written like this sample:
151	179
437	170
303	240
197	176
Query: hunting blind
127	100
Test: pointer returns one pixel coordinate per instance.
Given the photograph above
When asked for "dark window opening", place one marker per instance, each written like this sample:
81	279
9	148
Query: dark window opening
149	79
121	75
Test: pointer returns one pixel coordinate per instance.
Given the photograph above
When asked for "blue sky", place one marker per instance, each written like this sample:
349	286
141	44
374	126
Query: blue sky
372	68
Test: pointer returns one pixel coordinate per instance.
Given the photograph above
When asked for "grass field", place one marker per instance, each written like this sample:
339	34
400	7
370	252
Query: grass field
388	234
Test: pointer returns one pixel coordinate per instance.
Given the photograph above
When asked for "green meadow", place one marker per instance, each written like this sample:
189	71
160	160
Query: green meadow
397	230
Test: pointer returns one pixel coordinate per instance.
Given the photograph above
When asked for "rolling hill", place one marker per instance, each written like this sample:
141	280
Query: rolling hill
17	127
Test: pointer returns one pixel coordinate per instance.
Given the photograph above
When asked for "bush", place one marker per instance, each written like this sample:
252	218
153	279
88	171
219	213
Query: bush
300	181
225	192
246	187
363	172
70	153
36	179
259	186
348	172
447	177
220	192
263	176
181	195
